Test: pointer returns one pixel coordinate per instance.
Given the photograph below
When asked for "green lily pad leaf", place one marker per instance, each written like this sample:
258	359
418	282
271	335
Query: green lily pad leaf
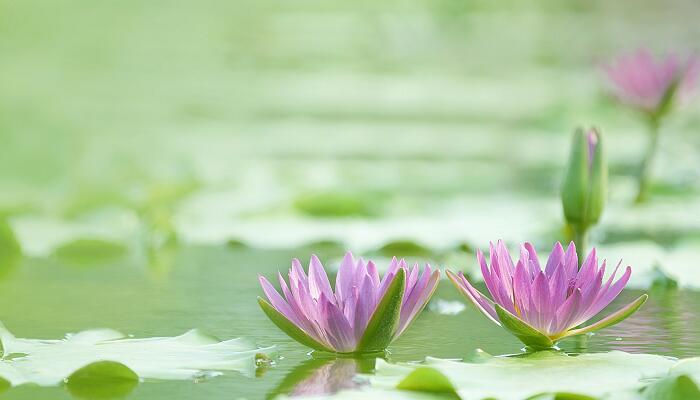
383	324
289	327
426	379
679	387
688	366
188	356
613	318
527	334
102	380
537	374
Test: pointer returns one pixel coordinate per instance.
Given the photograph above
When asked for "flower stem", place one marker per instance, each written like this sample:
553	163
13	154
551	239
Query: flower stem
580	233
645	168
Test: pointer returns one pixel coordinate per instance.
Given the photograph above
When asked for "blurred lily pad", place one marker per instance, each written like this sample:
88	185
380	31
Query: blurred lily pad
81	358
41	236
339	204
405	248
9	245
90	250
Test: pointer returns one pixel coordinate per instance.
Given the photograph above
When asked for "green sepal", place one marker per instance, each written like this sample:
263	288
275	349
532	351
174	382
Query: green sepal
523	331
575	186
383	324
290	328
611	319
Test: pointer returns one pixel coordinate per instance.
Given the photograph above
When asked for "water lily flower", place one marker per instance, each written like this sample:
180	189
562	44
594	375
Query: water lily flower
364	314
640	81
652	87
541	306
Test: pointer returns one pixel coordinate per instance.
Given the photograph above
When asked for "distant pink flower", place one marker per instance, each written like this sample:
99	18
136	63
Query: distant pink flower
364	314
541	306
642	82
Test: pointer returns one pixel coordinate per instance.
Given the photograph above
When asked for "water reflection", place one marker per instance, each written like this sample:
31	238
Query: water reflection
324	376
666	324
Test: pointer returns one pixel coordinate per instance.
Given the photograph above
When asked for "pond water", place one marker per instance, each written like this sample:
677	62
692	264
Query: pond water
214	289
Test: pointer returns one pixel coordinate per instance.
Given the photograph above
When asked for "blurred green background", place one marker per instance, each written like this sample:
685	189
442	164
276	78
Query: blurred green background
156	155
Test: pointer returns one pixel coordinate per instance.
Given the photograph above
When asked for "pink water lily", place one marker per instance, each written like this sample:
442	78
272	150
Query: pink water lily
541	306
642	82
365	313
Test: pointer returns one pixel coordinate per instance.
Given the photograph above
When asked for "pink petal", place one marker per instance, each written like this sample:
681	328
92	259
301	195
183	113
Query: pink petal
345	278
318	280
484	304
556	258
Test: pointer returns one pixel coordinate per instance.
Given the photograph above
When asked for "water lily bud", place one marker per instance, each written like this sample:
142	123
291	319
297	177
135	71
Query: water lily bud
585	186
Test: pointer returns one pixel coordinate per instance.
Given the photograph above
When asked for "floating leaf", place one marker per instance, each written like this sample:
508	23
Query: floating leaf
679	387
41	236
102	380
426	379
688	366
535	374
50	362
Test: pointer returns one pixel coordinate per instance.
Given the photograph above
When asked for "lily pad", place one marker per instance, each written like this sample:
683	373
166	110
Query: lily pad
688	366
680	387
99	354
41	236
426	379
102	380
532	374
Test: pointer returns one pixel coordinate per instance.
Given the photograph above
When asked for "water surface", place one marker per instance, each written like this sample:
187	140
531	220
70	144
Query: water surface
215	289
